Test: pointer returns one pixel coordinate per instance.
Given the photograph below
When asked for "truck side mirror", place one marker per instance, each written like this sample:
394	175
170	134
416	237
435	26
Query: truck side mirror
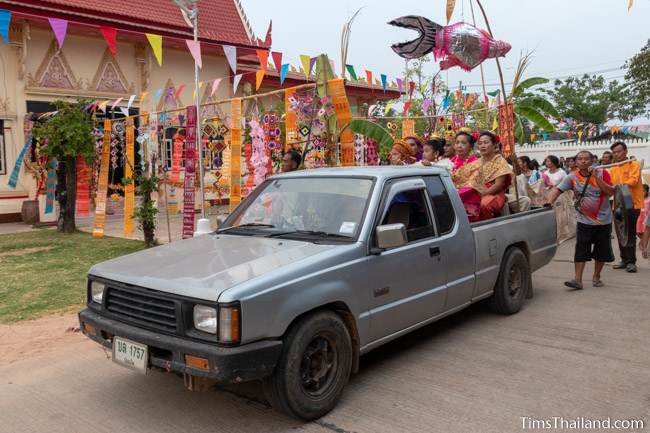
391	236
221	219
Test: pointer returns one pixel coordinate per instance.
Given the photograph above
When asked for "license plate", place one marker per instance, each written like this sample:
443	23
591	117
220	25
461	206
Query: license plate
130	354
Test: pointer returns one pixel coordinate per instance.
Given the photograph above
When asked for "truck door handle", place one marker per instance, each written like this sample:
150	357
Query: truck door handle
434	252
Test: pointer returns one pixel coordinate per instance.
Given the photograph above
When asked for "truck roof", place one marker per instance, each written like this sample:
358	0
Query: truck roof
379	172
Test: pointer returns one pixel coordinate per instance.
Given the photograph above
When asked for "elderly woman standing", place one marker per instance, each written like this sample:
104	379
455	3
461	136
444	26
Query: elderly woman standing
401	153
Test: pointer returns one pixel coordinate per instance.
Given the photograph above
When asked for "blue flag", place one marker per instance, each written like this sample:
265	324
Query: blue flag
283	72
5	17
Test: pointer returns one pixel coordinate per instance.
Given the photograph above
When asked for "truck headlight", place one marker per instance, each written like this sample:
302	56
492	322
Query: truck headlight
205	319
97	291
229	324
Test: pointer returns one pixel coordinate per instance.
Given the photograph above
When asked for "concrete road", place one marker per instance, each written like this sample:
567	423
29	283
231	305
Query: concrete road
569	354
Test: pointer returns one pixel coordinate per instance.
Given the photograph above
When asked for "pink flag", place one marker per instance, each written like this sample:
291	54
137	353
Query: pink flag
116	103
60	28
400	85
215	85
426	104
277	60
235	82
195	50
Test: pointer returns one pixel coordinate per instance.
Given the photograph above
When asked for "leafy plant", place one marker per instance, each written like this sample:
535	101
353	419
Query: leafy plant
146	212
638	76
372	130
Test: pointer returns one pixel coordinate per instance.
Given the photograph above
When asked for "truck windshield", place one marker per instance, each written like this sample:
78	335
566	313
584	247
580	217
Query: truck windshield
321	206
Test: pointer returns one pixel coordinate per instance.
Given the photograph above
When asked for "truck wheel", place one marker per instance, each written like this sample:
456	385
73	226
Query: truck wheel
513	284
313	368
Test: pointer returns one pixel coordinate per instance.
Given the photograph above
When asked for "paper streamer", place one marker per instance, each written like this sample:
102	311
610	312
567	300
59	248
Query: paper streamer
13	179
231	55
235	154
5	19
51	187
60	28
102	183
129	190
190	173
84	175
156	45
343	116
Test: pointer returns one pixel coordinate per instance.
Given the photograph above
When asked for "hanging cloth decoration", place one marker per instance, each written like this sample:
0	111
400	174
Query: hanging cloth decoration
190	173
231	55
341	107
156	46
5	19
283	73
277	60
352	72
250	179
259	77
306	65
383	82
178	92
110	35
60	28
235	154
263	56
84	174
13	179
290	120
506	130
369	78
177	156
129	189
195	50
51	187
408	128
400	85
426	104
102	184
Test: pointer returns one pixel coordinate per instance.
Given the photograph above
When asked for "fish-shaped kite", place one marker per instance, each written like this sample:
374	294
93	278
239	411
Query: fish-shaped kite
460	44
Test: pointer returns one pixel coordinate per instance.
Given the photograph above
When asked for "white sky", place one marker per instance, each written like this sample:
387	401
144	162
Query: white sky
568	36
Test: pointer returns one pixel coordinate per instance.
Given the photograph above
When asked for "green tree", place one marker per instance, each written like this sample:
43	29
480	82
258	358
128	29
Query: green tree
68	134
638	76
591	99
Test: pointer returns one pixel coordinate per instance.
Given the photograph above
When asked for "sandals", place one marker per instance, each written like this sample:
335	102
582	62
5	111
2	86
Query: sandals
598	283
573	284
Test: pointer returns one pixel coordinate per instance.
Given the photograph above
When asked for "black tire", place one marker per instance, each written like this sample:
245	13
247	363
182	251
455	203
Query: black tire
302	386
513	284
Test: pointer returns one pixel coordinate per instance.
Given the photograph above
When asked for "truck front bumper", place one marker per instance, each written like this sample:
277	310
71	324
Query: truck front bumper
225	364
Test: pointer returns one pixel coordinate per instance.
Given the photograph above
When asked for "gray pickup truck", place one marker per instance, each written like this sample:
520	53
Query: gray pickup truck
312	270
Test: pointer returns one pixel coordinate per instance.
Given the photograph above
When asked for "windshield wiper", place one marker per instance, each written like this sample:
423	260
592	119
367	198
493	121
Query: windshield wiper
247	225
320	234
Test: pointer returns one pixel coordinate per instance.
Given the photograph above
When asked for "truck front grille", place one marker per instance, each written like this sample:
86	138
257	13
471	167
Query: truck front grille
142	308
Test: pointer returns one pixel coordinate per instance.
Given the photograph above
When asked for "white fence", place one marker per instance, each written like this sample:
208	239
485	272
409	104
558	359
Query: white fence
639	148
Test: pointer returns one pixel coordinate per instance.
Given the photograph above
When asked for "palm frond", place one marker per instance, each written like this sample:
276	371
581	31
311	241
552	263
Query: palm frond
541	104
535	117
371	130
522	65
345	41
530	82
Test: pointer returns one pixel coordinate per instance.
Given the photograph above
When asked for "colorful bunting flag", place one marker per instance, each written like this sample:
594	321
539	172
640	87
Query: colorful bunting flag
60	28
235	83
352	72
178	92
110	35
411	88
312	62
200	86
156	45
195	50
383	82
388	107
131	99
125	111
369	78
5	18
263	55
305	60
231	55
102	105
116	103
259	77
277	60
493	94
215	85
426	104
283	73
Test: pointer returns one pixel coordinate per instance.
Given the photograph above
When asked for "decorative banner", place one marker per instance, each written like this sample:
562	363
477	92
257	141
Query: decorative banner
177	156
426	104
129	189
352	72
5	18
383	82
408	128
263	55
400	85
235	83
102	183
305	60
411	89
110	35
372	155
178	92
116	103
231	55
84	176
259	77
290	120
283	73
507	130
51	187
215	85
13	179
235	154
341	107
156	45
369	78
194	93
60	28
277	60
190	173
195	50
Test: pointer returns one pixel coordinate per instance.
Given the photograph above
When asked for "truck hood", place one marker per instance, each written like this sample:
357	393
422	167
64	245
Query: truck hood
205	266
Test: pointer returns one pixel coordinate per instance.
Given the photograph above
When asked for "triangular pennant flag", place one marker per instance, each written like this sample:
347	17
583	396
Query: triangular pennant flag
493	94
60	28
200	86
259	76
383	82
495	124
143	95
411	88
156	45
102	105
369	77
131	99
5	18
263	55
215	85
426	104
179	90
277	60
231	55
283	73
305	60
125	111
116	103
312	62
388	107
235	83
407	105
195	50
110	35
352	72
157	95
400	85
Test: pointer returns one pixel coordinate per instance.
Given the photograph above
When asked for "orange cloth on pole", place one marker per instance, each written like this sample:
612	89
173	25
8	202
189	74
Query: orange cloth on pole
629	174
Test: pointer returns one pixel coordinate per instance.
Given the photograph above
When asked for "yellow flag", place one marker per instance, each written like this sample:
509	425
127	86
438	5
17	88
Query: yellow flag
156	45
259	76
306	61
194	94
495	124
